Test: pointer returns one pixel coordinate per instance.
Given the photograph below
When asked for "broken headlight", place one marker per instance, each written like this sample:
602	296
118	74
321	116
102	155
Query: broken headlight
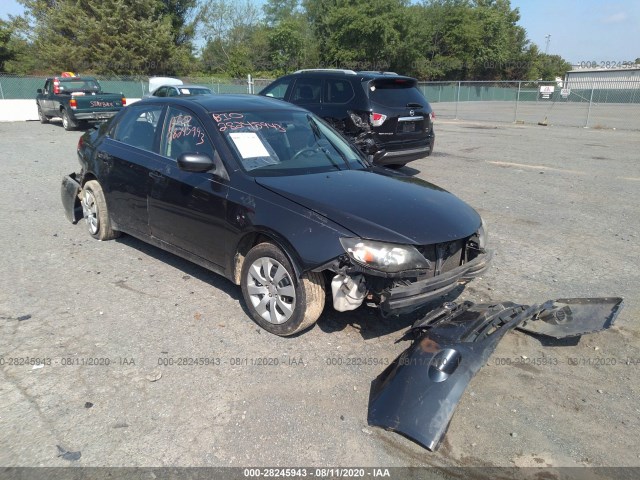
386	257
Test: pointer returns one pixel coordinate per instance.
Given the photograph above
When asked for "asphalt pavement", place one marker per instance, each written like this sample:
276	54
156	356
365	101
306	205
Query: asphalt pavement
121	323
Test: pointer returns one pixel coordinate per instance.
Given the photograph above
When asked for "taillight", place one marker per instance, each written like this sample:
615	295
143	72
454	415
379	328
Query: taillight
432	116
124	101
56	86
377	119
73	103
80	143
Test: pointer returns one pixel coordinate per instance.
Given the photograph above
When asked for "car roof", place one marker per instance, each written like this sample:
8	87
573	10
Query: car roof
187	85
226	102
74	79
180	86
362	75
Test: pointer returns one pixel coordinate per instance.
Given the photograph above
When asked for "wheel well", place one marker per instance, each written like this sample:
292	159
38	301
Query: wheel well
245	244
88	176
249	241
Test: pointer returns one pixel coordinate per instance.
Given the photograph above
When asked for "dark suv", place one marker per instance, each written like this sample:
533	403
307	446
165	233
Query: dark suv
383	113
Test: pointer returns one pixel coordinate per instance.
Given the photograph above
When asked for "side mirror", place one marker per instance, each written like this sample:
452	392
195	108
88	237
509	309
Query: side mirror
39	90
195	162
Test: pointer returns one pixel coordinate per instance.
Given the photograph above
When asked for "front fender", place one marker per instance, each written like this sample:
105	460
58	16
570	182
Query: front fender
309	239
282	243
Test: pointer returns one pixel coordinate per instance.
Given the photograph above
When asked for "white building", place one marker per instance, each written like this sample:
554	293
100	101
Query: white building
603	78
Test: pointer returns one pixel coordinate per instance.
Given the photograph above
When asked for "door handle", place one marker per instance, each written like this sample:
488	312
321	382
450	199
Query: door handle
155	174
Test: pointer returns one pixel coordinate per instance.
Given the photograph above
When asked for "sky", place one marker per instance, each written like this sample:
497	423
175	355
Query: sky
581	30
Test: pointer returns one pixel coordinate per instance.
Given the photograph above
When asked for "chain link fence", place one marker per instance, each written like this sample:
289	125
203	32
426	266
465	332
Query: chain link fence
25	87
600	104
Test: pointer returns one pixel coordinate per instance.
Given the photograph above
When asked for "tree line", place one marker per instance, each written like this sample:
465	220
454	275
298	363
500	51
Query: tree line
432	40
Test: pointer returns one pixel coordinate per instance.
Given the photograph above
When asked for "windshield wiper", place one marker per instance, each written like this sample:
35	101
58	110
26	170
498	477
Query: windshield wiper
318	134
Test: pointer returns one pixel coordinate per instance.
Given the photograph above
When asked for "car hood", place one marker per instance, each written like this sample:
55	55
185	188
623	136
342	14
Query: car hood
390	208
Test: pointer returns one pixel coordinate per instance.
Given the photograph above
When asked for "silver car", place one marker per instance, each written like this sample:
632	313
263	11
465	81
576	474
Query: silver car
180	90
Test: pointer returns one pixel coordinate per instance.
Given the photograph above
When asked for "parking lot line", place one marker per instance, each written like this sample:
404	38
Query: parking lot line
535	167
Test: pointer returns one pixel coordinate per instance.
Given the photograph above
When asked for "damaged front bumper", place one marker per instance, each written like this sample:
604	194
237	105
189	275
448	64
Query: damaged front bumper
69	192
403	292
404	298
417	394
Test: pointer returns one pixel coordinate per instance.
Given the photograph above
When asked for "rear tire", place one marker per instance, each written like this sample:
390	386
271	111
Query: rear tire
95	212
41	116
67	122
278	301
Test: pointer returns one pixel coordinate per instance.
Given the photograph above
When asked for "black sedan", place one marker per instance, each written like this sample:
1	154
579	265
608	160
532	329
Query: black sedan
270	196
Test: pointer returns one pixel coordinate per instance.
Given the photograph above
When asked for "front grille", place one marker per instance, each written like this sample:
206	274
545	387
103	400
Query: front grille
443	256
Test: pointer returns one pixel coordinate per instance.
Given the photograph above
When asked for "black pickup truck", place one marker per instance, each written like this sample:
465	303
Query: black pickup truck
77	100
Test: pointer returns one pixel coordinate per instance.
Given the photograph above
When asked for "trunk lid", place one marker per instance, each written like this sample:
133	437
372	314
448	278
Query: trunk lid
97	102
86	95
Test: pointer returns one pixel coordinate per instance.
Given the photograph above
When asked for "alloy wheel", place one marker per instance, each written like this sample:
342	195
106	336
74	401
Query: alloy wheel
90	211
271	290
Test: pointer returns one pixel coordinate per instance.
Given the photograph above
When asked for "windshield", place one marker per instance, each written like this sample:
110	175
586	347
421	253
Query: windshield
283	142
194	90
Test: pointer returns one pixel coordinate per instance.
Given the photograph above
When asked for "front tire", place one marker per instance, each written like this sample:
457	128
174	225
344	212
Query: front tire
278	301
67	122
95	212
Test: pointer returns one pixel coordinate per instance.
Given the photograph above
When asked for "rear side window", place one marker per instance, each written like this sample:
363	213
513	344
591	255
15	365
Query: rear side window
306	90
137	127
395	93
338	91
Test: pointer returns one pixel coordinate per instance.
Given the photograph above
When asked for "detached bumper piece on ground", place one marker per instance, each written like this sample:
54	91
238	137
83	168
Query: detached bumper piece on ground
417	394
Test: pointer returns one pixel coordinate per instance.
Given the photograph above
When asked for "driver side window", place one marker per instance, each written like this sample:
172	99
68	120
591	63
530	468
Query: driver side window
184	133
278	89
